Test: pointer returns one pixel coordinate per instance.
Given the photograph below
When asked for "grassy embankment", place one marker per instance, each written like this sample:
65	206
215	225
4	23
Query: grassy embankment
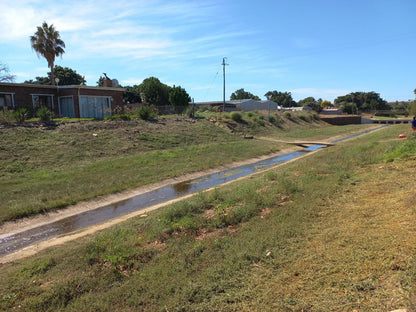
330	232
42	170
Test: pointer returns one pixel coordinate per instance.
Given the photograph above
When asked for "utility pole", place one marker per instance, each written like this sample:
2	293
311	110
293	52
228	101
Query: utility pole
223	91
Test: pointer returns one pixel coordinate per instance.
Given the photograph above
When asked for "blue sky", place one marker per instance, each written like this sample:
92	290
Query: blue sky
319	48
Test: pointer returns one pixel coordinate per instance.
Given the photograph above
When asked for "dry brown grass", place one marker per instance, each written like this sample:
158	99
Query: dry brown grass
360	249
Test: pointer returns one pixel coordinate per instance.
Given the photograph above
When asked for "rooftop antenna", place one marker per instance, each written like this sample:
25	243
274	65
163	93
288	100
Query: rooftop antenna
223	90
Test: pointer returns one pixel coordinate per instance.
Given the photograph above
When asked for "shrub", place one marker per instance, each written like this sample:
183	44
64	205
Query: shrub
45	114
20	114
146	112
6	115
302	117
261	122
236	116
272	119
125	117
315	116
288	115
190	111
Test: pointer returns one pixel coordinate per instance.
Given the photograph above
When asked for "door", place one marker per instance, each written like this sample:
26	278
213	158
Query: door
66	106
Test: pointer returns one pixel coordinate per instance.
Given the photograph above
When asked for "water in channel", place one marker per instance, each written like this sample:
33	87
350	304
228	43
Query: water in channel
14	242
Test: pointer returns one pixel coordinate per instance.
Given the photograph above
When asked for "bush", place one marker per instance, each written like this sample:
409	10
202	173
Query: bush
20	114
45	114
302	117
261	122
146	112
236	116
125	117
6	115
288	115
272	119
190	111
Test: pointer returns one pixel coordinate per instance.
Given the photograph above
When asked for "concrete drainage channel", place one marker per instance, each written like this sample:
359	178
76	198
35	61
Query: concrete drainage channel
18	241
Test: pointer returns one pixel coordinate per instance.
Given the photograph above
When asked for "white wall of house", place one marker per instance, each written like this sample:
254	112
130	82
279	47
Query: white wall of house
250	105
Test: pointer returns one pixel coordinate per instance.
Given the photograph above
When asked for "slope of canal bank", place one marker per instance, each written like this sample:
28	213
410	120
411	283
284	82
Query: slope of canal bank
90	215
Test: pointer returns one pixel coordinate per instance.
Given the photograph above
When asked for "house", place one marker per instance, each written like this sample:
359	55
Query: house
74	101
250	105
332	111
296	108
240	105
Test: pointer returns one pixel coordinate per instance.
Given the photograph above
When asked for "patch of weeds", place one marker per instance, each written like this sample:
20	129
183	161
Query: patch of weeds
39	266
403	151
188	224
6	115
288	115
288	185
271	176
261	122
302	117
236	116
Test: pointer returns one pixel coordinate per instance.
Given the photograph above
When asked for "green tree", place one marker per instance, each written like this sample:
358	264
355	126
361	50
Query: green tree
240	94
349	108
153	92
363	101
47	43
281	98
412	108
100	82
5	75
66	76
40	80
179	98
132	94
326	104
309	101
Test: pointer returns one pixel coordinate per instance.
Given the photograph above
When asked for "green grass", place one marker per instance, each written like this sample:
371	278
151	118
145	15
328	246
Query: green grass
330	232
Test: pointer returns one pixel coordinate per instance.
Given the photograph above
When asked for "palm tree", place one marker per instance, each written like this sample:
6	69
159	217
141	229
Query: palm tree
47	43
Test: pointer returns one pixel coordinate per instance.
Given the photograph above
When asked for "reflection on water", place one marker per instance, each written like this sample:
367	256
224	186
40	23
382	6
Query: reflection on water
182	187
67	225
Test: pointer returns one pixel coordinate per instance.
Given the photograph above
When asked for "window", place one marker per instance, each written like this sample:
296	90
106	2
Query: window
6	100
95	106
40	100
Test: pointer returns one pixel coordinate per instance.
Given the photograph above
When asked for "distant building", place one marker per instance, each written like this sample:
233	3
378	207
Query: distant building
240	105
332	111
74	101
296	108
